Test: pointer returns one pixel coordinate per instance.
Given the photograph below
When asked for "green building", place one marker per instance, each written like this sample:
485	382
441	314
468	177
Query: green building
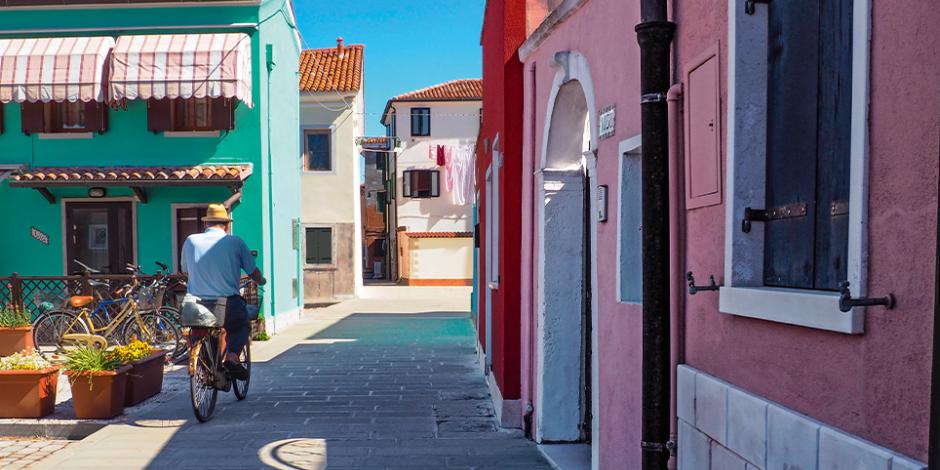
120	122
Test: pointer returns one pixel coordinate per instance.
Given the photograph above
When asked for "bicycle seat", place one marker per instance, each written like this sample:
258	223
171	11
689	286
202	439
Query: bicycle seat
79	301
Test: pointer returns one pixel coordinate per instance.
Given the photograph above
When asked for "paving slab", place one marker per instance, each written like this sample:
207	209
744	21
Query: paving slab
371	383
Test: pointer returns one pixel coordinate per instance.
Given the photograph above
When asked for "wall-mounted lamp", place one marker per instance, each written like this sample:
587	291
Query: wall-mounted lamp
97	192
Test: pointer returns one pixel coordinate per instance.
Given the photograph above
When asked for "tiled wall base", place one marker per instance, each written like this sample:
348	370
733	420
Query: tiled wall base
722	427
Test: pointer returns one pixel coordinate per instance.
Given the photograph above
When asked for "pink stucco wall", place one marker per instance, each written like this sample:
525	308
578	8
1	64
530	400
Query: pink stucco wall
602	30
874	385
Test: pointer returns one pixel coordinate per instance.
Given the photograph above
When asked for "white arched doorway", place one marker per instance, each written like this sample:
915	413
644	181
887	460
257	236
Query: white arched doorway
566	382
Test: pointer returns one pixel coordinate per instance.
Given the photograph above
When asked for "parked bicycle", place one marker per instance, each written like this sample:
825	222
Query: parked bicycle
207	375
98	320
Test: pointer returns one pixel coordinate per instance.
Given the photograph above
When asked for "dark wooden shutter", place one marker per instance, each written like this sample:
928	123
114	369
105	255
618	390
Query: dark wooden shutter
791	140
96	117
319	245
160	115
223	114
808	133
1	118
33	118
833	147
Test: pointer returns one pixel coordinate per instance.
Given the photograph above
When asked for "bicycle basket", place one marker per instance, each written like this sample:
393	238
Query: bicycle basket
199	313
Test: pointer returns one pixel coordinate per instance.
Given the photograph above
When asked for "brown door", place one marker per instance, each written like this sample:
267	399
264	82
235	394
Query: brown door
100	235
188	222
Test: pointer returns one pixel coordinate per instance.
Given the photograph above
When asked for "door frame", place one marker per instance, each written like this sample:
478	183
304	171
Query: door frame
64	225
174	247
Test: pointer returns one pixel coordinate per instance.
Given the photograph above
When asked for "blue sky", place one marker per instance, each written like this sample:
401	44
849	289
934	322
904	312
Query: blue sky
410	44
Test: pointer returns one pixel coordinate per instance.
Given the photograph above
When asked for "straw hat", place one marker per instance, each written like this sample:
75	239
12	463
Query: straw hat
216	213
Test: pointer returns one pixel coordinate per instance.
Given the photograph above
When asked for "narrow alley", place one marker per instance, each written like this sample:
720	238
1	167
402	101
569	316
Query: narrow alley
383	383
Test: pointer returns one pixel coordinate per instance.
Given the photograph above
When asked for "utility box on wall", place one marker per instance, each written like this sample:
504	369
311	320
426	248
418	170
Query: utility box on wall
703	132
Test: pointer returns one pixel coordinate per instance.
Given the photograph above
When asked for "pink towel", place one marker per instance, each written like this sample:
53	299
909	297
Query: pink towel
441	159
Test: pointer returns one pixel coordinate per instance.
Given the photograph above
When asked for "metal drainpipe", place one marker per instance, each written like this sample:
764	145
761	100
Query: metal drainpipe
654	35
933	452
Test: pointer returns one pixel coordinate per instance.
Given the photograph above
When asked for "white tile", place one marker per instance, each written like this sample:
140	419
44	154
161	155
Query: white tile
792	440
904	463
724	459
747	426
838	451
693	448
711	407
685	393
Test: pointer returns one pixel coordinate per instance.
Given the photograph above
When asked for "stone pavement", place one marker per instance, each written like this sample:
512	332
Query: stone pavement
365	384
19	453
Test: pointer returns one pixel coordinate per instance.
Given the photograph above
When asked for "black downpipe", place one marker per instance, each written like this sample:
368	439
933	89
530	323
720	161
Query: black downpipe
654	35
933	452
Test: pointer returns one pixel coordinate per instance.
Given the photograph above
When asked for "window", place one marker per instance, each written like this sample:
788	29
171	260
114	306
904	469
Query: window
319	245
191	115
420	121
630	222
421	183
317	156
796	212
381	201
65	117
391	129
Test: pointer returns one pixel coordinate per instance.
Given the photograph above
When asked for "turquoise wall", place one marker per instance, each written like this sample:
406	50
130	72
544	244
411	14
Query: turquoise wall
128	142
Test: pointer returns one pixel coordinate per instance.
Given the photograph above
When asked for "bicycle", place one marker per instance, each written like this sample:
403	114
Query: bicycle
207	374
98	327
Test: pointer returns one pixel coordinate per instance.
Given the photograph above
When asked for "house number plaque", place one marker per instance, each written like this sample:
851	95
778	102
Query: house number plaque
39	235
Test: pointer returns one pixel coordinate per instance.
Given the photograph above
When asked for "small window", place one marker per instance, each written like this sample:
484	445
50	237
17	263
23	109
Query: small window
317	151
420	121
65	117
391	129
381	200
421	183
191	115
319	245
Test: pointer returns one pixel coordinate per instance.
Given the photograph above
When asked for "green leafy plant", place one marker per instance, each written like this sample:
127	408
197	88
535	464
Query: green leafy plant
134	351
261	336
13	318
85	359
24	361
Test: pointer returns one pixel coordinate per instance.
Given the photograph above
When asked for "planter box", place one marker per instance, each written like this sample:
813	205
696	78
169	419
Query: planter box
145	378
28	393
98	395
14	340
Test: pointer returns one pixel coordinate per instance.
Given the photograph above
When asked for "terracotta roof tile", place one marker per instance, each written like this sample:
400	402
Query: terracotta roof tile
455	90
328	70
132	174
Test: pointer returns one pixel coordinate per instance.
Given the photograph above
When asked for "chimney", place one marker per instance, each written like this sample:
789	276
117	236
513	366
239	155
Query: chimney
340	49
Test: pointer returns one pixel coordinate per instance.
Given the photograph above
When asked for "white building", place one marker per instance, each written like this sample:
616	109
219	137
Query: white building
331	118
437	127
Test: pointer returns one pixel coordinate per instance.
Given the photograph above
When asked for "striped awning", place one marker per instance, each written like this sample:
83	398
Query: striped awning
182	66
53	69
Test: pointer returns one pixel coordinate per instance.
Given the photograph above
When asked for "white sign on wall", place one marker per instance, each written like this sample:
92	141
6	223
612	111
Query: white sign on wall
607	121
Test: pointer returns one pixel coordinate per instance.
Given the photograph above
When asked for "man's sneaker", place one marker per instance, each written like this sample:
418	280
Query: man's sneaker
236	370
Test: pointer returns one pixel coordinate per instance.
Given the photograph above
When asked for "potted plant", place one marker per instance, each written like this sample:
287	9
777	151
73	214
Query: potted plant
28	384
98	382
16	331
145	379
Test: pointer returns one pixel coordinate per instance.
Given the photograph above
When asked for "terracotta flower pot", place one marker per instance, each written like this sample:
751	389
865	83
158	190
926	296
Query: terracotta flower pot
98	395
14	340
28	393
145	378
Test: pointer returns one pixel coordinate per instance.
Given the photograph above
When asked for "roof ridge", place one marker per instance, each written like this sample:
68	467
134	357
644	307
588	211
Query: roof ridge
431	87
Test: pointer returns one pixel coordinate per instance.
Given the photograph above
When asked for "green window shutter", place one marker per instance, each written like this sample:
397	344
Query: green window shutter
319	242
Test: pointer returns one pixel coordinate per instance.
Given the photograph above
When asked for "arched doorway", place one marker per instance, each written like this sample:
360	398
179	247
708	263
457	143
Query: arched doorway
566	379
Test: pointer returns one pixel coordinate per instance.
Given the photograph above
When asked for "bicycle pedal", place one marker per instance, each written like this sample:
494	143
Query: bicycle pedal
222	382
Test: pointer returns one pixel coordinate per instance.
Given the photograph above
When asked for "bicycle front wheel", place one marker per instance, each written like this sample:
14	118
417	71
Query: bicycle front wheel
49	329
202	391
240	387
158	330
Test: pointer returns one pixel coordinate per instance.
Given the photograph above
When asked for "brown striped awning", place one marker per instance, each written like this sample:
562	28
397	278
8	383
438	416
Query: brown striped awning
439	234
53	69
227	175
182	66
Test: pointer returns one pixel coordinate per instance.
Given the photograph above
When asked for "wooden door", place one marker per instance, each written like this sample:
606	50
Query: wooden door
100	235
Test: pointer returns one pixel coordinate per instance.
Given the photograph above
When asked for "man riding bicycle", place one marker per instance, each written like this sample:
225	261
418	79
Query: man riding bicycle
214	261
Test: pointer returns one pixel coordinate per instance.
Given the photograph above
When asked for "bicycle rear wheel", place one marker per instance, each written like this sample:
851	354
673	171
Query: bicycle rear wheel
161	333
202	366
49	329
241	386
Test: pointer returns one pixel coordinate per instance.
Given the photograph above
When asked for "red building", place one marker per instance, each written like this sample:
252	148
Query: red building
499	206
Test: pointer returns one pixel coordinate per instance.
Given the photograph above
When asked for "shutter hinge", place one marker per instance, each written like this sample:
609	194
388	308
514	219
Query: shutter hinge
789	211
749	5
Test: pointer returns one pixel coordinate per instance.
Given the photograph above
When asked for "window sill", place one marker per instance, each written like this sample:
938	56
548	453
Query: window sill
65	135
320	267
190	134
812	309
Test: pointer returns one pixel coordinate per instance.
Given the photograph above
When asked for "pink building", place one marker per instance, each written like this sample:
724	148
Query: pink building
823	122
